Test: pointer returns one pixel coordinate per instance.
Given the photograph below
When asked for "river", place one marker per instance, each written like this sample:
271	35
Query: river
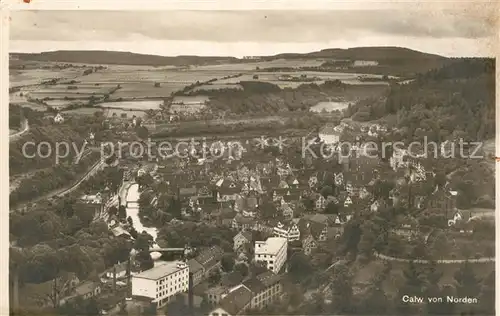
133	211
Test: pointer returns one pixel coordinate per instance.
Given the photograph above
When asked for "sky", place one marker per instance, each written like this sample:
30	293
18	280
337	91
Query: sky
243	33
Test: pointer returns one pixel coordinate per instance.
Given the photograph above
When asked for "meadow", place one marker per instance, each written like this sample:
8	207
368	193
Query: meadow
19	78
121	83
133	105
278	63
107	112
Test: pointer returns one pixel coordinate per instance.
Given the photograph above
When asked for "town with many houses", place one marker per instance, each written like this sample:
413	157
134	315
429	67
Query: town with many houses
275	203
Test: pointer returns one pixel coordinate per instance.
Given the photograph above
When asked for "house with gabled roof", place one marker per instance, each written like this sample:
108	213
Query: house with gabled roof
317	229
234	303
347	201
286	210
329	135
241	238
308	244
313	181
198	271
241	222
289	230
320	202
58	118
247	206
229	192
210	259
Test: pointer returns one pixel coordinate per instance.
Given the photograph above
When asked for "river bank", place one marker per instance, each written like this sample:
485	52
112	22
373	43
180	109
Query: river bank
132	210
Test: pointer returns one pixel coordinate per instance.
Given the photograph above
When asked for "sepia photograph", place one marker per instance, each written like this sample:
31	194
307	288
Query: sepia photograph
252	162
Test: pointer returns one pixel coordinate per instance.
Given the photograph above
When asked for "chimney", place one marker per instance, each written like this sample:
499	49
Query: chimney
190	294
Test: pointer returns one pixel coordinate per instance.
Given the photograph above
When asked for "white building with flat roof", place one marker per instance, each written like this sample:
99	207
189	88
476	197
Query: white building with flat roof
162	282
272	252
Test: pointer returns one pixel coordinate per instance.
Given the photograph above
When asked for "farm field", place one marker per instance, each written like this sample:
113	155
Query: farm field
217	86
329	106
132	105
36	76
108	112
191	99
184	76
321	77
191	104
134	90
33	106
61	95
264	64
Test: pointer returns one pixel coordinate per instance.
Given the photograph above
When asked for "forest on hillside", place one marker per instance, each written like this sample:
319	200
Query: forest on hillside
452	102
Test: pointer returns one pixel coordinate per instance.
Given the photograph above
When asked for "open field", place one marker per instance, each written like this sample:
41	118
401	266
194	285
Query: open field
132	105
319	78
217	86
184	76
36	76
132	90
264	64
33	106
191	99
329	106
108	112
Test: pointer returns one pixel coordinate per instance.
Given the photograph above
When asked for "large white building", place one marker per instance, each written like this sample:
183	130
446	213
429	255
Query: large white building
162	282
272	252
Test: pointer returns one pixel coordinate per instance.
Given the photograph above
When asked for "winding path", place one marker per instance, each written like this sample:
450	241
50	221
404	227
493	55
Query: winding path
26	127
420	261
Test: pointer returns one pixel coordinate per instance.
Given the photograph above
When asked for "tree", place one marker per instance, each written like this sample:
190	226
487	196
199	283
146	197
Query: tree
227	262
375	301
468	284
300	267
142	132
122	212
382	188
444	307
341	287
242	269
130	221
214	277
440	245
487	295
326	191
416	284
395	246
332	208
143	242
267	210
113	211
145	261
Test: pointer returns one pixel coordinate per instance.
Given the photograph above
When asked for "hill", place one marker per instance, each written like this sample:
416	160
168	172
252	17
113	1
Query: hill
383	55
452	102
379	54
119	58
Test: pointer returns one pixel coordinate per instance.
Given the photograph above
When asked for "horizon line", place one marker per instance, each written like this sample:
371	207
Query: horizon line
230	56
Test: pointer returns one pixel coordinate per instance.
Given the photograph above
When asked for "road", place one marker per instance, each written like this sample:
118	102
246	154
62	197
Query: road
26	127
61	192
419	261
